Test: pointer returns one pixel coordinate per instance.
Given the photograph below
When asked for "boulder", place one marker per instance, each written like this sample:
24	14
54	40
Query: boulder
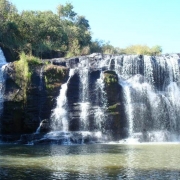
44	126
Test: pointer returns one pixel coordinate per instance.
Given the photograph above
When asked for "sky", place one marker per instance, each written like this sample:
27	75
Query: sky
124	22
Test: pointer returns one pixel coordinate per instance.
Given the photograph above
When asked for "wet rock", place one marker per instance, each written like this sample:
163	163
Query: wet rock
26	103
45	126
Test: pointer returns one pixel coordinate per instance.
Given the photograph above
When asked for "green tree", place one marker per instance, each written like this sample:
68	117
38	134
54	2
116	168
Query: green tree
82	22
108	49
143	49
42	31
66	12
9	33
156	50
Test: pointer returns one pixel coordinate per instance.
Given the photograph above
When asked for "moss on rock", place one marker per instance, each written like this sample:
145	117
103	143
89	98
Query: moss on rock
54	76
113	109
25	101
110	77
23	70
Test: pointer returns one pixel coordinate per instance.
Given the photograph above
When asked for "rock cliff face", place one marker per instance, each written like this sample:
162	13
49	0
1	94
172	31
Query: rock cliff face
117	96
116	114
27	103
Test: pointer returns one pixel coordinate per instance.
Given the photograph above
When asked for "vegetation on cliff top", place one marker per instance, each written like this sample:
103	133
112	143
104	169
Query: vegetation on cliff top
23	72
40	32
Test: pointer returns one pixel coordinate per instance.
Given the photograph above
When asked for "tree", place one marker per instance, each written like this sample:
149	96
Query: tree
82	22
143	49
42	31
6	10
156	50
96	46
9	32
66	12
108	49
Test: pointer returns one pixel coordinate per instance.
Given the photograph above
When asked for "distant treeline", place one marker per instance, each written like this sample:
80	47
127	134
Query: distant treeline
40	32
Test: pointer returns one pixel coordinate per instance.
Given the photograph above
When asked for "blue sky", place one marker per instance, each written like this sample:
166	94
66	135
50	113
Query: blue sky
124	22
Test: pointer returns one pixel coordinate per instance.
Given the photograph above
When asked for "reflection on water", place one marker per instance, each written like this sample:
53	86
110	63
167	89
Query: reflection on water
98	161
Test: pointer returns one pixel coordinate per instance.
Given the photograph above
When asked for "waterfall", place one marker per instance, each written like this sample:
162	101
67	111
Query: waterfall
151	87
41	78
84	97
101	103
149	91
41	96
59	115
2	63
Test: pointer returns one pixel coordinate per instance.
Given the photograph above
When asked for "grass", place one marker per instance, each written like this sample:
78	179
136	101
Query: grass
23	71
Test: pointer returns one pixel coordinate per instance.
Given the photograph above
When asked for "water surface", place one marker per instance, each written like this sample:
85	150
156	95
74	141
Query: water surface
95	161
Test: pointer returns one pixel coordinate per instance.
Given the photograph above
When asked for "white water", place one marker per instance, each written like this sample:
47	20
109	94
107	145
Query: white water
41	78
101	100
84	96
59	115
151	97
2	79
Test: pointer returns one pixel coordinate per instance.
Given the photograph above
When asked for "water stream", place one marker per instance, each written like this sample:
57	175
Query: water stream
59	115
151	90
151	96
2	79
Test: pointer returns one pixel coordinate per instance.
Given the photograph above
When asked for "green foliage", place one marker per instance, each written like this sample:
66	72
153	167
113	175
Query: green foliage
110	78
22	74
23	71
96	46
143	50
156	50
103	47
34	61
54	75
66	11
113	107
107	48
40	32
45	32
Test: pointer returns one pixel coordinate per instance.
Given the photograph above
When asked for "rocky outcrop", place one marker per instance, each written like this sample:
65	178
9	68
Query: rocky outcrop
27	101
30	99
115	124
9	54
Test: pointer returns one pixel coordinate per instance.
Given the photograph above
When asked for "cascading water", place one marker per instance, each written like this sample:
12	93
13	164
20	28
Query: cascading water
91	105
84	93
101	103
2	79
150	91
151	96
42	101
59	115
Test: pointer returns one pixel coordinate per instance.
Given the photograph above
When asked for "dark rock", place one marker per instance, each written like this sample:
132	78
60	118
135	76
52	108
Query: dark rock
45	126
115	124
59	61
26	104
51	54
9	54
